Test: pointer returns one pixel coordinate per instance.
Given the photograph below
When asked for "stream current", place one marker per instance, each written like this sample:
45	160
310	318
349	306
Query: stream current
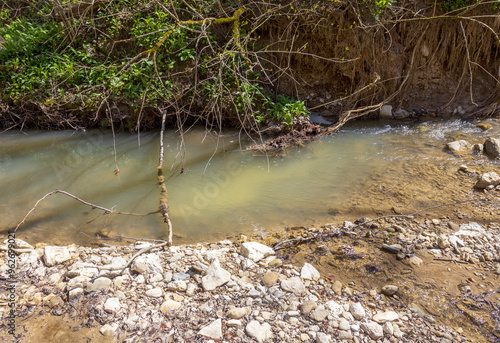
216	188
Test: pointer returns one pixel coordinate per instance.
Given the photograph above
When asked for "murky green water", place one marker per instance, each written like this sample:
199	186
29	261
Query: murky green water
223	189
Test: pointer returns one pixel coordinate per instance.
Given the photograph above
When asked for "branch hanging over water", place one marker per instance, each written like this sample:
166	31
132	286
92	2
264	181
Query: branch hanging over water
106	210
161	183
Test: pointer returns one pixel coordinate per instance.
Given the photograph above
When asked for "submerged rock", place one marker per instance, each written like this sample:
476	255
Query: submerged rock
488	179
458	147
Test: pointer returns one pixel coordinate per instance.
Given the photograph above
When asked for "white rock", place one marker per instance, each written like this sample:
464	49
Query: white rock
492	147
323	338
216	276
233	323
256	251
387	316
308	272
212	330
470	229
397	331
152	261
388	329
294	285
54	255
170	305
443	242
112	305
98	283
335	309
374	330
259	332
455	241
488	179
458	147
154	293
177	286
357	311
109	329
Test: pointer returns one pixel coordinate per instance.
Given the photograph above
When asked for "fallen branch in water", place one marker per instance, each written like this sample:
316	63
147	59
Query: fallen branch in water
161	183
106	210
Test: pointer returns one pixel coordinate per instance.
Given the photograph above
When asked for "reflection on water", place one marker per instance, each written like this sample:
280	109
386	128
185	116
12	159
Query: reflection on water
222	188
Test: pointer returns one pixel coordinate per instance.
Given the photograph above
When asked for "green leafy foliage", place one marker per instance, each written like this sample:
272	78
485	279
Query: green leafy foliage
286	109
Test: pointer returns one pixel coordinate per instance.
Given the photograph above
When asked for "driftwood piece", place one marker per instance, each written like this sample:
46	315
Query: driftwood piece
163	188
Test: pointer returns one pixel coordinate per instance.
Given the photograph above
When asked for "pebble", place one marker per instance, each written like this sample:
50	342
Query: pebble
55	255
236	312
270	278
108	329
357	311
308	272
98	284
390	290
293	285
256	251
154	293
216	276
112	305
212	330
387	316
260	332
374	330
169	305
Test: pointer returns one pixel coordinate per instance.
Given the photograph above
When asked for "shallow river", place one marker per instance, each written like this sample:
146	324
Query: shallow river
364	170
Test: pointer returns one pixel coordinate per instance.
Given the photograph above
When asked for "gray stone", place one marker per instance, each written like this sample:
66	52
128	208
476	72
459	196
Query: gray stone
386	112
414	261
372	329
388	329
357	311
259	332
308	272
177	286
443	242
154	293
389	290
109	329
335	308
112	305
256	251
98	284
401	114
397	331
180	277
458	147
169	305
492	147
212	330
152	261
236	312
387	316
216	276
307	306
498	269
270	278
75	293
323	338
344	324
319	313
55	255
345	335
233	323
488	179
337	287
293	285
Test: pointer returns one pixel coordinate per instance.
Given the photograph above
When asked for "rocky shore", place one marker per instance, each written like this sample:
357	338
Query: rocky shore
246	291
